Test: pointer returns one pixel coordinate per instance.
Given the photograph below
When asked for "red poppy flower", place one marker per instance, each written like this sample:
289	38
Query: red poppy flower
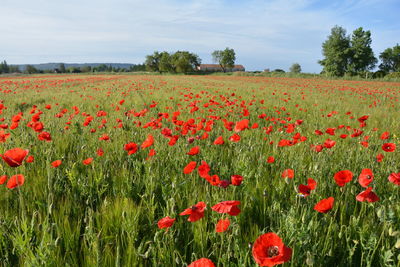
270	159
194	151
343	177
222	225
56	163
30	159
87	161
195	212
204	169
385	135
100	152
330	131
165	222
148	142
389	147
394	178
317	148
104	137
236	180
219	141
324	205
234	138
230	207
363	118
190	167
15	157
329	143
366	177
203	262
367	195
15	181
3	136
3	179
305	190
173	140
44	136
152	153
269	250
379	157
131	148
289	173
241	125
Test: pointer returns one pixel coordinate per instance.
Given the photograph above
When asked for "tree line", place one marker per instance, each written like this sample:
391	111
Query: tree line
30	69
186	62
353	55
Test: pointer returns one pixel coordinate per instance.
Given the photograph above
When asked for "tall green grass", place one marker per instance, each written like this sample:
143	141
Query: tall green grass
106	213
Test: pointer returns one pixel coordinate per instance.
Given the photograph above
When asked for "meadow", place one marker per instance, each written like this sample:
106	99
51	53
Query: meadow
128	170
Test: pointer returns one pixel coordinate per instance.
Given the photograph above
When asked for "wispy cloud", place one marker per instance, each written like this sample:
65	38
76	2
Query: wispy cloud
264	34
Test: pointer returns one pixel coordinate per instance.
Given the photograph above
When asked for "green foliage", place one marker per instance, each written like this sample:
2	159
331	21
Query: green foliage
29	69
345	55
362	57
336	51
178	62
152	62
4	68
279	70
295	68
62	68
225	58
166	62
390	59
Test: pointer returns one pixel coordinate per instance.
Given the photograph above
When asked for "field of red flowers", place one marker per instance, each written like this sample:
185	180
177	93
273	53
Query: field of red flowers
198	171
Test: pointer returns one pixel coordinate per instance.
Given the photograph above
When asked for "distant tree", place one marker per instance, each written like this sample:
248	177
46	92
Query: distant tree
336	52
86	68
184	61
390	58
137	67
30	69
361	58
153	62
73	70
225	58
4	68
14	69
61	68
279	70
165	62
295	68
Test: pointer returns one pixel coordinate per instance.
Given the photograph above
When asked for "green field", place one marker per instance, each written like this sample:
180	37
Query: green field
105	213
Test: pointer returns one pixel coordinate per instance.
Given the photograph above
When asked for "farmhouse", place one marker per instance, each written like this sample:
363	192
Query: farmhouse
217	67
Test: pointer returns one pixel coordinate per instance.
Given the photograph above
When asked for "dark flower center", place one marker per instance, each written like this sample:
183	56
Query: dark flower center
272	251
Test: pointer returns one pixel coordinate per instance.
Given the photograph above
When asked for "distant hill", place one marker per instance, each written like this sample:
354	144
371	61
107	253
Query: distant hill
52	66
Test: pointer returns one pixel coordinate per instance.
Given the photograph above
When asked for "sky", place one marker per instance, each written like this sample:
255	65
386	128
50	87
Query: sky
268	34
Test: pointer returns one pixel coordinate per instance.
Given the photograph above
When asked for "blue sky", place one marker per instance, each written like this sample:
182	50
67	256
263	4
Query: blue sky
264	34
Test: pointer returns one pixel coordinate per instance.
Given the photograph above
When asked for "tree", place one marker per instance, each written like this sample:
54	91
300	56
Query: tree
295	68
390	59
30	69
225	58
336	52
184	61
4	68
152	61
87	68
362	57
165	62
62	68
